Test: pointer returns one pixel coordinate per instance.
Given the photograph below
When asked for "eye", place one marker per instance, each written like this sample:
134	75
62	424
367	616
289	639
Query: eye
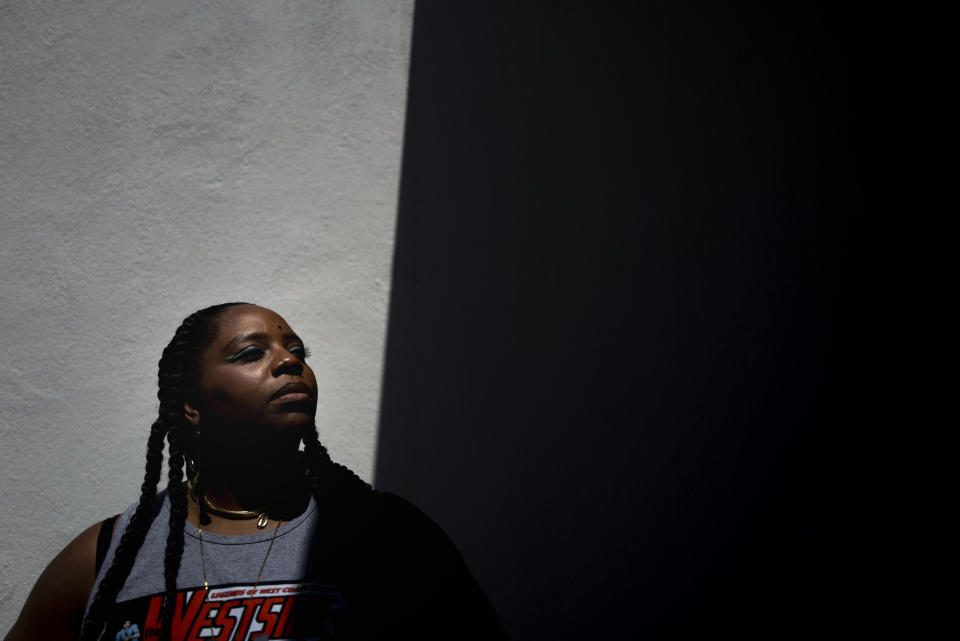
300	351
247	354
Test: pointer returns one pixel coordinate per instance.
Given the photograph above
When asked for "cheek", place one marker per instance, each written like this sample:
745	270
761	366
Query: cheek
311	379
240	387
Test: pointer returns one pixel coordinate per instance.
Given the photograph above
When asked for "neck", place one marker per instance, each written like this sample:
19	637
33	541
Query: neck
277	487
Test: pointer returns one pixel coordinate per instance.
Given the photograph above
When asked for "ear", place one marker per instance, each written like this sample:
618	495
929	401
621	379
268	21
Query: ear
191	414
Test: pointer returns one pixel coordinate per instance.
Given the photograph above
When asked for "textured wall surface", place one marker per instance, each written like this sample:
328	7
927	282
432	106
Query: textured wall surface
158	157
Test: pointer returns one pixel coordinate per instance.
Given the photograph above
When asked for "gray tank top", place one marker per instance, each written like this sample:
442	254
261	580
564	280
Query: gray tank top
370	568
236	606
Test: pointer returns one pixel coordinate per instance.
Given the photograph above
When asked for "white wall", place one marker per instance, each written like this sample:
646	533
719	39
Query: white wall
158	157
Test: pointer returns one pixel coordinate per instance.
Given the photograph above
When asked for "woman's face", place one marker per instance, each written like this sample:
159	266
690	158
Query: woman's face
253	374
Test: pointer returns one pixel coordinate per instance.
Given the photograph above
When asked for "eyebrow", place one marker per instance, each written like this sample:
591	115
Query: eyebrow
258	336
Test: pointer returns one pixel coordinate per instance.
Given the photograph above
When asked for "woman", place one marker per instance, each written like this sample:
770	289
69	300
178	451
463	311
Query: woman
253	538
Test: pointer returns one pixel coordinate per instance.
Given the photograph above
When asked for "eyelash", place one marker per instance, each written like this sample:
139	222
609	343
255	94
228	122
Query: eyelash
247	353
304	349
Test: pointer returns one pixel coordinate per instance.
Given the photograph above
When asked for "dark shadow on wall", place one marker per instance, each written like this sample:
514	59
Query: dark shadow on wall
631	331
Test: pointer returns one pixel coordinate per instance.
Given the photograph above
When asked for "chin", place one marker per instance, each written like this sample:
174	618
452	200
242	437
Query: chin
292	419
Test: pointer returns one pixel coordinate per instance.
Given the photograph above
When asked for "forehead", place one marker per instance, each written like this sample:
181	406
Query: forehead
248	319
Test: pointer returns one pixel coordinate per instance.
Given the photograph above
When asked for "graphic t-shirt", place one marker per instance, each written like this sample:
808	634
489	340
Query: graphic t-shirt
380	568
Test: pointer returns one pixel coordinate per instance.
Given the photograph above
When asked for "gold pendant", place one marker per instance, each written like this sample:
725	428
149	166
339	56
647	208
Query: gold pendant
262	521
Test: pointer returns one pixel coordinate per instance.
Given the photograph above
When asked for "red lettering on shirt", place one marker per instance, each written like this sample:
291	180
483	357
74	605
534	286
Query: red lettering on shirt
151	626
249	607
225	621
267	617
283	625
180	624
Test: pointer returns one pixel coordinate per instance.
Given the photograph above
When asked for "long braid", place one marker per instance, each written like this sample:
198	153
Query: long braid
178	384
174	551
177	371
131	540
331	484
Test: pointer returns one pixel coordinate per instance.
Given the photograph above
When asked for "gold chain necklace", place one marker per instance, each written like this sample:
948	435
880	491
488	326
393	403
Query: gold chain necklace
203	560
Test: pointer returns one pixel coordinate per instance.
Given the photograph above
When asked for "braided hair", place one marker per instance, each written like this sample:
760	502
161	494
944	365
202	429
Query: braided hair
178	374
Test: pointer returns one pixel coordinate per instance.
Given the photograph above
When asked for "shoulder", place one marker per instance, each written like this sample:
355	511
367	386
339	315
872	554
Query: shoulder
394	517
389	506
422	567
55	607
402	537
387	527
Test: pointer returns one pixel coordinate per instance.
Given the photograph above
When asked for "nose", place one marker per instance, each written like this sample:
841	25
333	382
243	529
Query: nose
287	363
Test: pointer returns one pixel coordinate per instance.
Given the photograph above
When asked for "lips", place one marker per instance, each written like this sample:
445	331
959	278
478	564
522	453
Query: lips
293	392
